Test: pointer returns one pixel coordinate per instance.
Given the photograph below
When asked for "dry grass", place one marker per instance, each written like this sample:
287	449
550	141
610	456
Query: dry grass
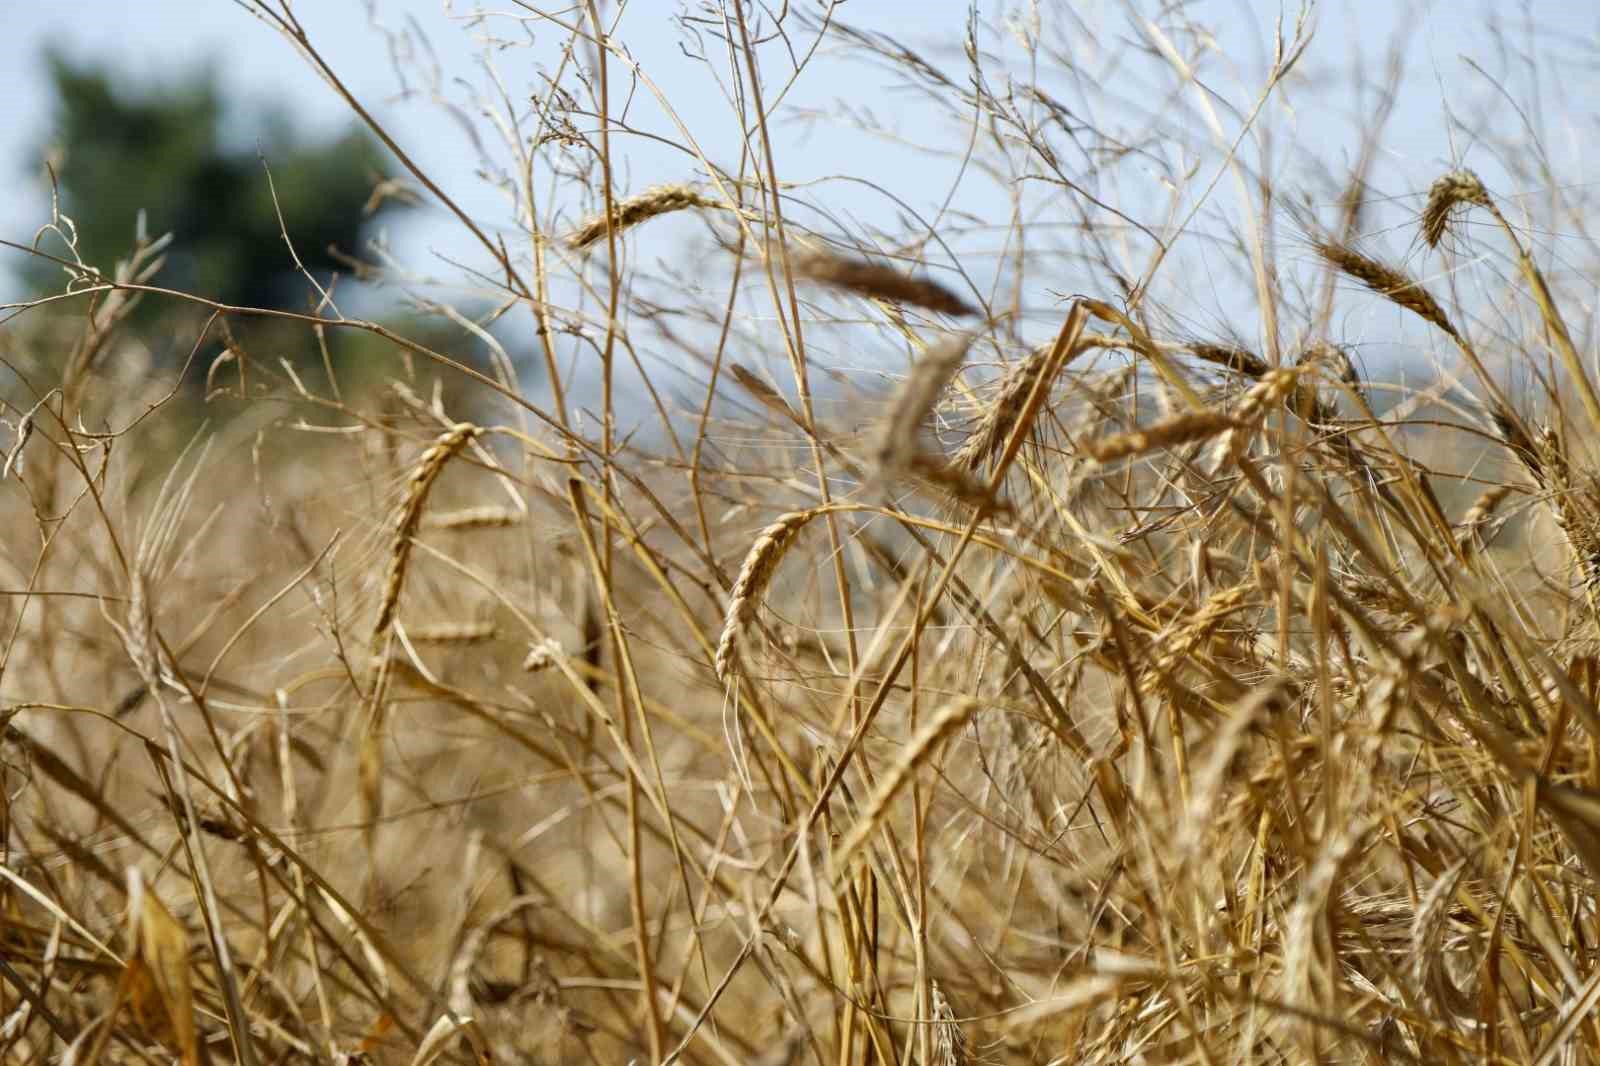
1126	698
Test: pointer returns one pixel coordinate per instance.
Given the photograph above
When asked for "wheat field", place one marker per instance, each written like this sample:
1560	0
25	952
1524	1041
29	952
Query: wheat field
776	635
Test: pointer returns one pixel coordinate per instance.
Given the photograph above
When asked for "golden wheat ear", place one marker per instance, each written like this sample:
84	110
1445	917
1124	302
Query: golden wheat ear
662	200
896	439
760	563
1387	281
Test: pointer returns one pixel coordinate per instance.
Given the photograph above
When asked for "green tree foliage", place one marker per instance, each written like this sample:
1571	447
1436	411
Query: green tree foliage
194	166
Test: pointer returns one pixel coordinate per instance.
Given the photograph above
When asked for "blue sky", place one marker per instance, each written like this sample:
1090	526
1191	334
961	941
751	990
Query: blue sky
155	38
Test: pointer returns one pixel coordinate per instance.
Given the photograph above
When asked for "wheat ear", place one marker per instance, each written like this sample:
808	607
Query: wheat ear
916	398
1179	429
1478	516
1463	187
930	736
760	563
1387	281
878	282
661	200
949	1042
408	518
468	518
1449	192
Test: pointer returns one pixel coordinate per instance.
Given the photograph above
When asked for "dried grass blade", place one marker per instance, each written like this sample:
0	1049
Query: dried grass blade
160	987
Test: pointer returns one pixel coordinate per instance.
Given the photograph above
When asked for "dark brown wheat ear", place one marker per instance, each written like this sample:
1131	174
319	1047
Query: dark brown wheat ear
879	282
1451	191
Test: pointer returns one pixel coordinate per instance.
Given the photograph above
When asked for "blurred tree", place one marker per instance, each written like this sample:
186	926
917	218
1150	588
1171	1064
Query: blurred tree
192	161
176	152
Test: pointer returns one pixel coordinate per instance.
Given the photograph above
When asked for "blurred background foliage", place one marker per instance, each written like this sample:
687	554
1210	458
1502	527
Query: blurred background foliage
198	168
196	165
